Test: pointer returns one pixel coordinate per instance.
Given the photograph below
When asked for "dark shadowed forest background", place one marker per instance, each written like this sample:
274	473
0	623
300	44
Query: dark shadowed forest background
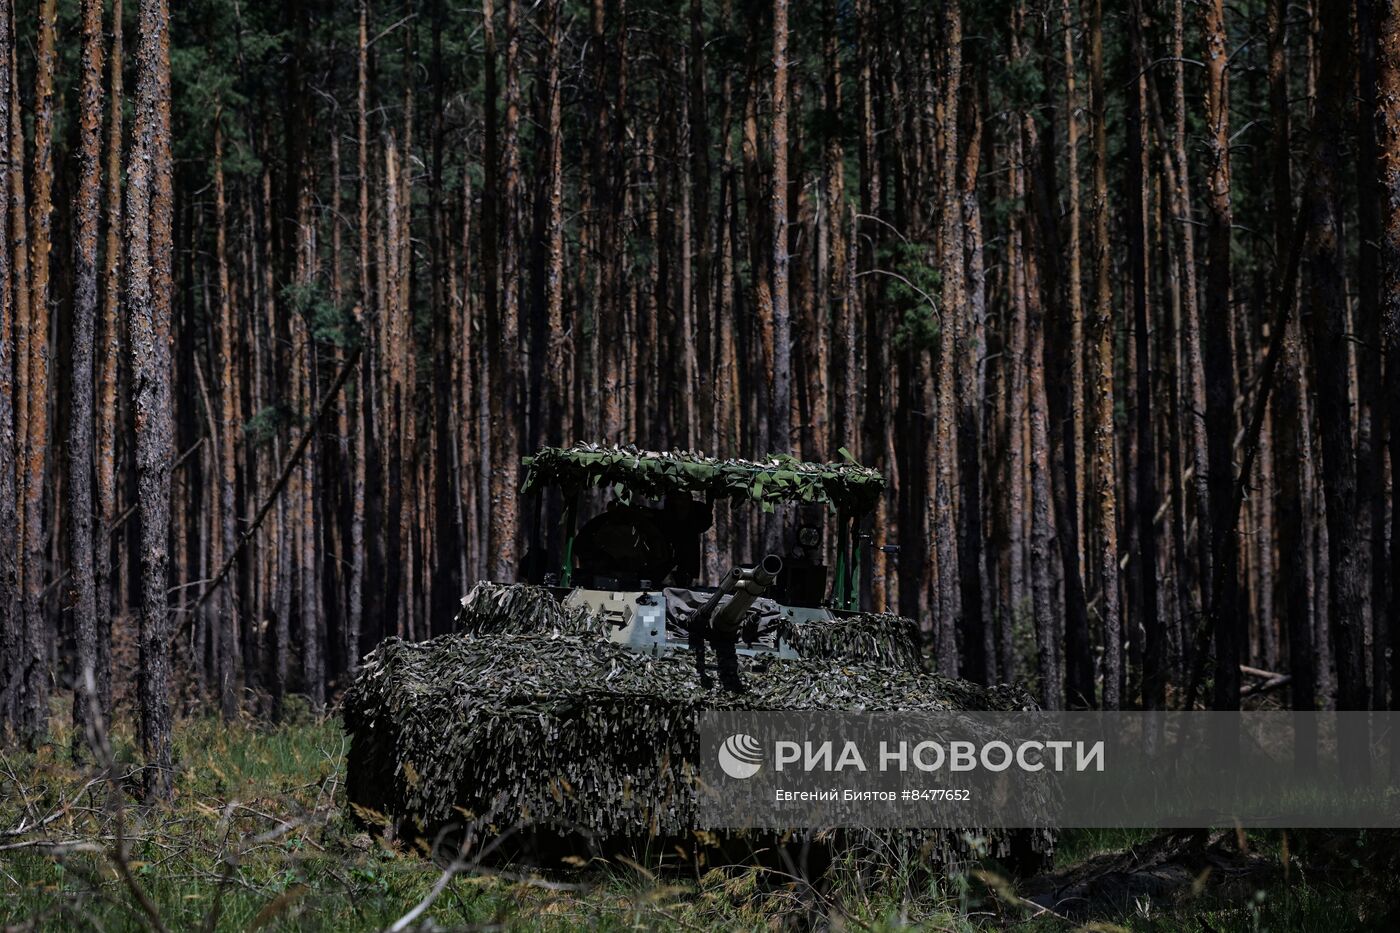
1111	292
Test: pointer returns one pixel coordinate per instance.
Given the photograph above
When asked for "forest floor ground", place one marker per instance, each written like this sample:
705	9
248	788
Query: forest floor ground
258	838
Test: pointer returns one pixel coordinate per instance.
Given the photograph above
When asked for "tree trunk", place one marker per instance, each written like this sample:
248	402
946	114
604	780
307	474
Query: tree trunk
971	385
148	300
781	428
1154	654
1079	682
557	358
1369	351
1191	328
845	428
505	361
1105	471
1324	315
494	379
11	617
702	236
1388	120
1064	385
953	329
19	260
80	442
1043	612
228	423
107	380
1287	428
35	707
1224	610
360	398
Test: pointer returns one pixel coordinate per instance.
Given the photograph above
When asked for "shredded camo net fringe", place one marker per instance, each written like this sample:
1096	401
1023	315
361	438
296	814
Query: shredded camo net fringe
562	731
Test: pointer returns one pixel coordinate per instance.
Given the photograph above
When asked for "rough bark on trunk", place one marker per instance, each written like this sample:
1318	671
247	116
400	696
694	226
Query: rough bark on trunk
148	303
834	210
505	359
229	660
111	337
1227	621
1154	654
80	439
1191	327
953	329
1048	638
1077	480
35	703
11	617
557	357
360	398
1105	470
1064	387
702	236
972	387
781	426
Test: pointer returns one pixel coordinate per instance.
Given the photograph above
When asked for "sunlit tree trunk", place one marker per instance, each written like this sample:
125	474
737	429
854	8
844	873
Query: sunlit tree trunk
36	635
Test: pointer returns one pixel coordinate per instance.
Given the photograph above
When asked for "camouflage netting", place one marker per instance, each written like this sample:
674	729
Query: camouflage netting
492	608
779	478
572	734
873	637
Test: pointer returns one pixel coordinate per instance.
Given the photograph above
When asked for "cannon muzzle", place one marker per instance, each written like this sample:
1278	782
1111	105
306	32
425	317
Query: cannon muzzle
748	585
720	623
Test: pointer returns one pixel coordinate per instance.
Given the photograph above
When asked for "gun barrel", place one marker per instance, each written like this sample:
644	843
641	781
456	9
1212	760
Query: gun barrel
745	585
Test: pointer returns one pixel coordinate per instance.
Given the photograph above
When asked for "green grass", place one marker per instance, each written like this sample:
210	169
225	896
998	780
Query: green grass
257	838
1078	845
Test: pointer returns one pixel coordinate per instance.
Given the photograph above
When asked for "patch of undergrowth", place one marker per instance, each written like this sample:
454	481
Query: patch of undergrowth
257	837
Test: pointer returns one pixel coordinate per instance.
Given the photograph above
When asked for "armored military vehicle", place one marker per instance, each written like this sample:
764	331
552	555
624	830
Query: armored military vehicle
565	706
636	564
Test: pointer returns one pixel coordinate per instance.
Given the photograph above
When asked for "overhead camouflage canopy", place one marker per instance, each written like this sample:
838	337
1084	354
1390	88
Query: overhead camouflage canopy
847	487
